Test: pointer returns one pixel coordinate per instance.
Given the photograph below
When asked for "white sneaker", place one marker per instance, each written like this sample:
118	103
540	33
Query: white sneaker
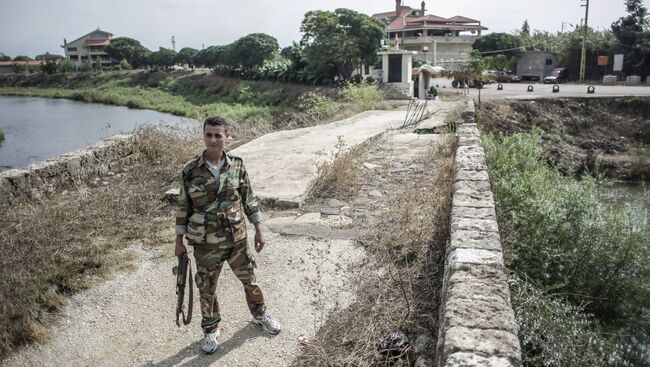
209	343
270	326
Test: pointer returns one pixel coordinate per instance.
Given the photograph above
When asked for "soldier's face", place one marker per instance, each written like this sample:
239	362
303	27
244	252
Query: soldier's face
215	138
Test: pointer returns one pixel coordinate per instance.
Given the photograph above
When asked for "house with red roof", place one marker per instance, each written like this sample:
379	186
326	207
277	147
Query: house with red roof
438	40
89	48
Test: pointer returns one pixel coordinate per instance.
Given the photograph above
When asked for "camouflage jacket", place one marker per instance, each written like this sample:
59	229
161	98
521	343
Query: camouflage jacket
208	214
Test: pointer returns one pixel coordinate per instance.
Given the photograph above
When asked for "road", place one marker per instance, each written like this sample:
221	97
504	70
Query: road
519	90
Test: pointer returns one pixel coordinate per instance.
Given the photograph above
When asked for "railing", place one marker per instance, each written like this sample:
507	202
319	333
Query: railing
438	39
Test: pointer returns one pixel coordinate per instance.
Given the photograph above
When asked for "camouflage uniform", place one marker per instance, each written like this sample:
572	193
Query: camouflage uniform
212	220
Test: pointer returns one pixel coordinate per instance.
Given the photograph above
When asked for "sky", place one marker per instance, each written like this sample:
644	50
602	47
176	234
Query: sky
32	27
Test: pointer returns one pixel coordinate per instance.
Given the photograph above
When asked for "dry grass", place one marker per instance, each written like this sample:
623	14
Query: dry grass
56	246
342	175
399	286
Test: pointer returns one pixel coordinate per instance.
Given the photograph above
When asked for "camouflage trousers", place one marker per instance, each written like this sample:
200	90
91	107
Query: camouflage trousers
209	261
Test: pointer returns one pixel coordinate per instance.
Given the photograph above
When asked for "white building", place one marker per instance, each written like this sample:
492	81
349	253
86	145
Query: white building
439	41
89	47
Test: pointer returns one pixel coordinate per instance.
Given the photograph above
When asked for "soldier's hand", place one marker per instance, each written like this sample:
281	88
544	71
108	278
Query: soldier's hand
260	241
180	247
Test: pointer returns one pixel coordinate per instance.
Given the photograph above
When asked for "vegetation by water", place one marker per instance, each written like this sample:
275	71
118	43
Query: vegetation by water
254	107
585	270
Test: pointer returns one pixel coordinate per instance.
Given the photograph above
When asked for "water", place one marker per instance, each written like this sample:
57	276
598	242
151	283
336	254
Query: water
634	197
37	129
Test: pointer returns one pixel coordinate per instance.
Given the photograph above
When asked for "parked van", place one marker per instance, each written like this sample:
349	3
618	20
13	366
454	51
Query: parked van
559	75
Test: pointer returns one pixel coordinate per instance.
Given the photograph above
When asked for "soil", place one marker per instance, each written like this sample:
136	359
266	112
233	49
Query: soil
606	136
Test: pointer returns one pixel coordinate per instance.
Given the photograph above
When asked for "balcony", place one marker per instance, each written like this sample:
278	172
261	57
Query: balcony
439	39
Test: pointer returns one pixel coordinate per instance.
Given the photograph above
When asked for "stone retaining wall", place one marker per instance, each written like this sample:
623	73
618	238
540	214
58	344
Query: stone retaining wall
477	324
66	169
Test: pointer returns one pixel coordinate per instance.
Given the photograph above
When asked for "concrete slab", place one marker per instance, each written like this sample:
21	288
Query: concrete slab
295	154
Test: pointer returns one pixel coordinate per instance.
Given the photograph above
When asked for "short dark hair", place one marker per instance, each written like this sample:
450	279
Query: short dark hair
216	121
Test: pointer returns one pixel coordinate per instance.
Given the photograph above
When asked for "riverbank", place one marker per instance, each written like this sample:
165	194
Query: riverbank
580	266
608	137
254	107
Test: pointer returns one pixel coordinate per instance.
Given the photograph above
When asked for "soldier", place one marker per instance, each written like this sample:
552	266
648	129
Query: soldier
214	190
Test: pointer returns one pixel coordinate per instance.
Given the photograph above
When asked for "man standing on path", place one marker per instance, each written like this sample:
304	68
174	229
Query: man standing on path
214	190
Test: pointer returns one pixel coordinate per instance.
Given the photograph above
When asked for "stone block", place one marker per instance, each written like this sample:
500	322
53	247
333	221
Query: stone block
469	175
475	239
483	281
473	224
469	164
477	199
609	80
633	80
478	310
462	359
468	140
470	187
470	212
477	149
483	342
461	258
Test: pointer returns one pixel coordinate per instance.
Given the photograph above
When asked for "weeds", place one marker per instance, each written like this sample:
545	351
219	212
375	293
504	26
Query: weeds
364	96
562	236
59	245
398	286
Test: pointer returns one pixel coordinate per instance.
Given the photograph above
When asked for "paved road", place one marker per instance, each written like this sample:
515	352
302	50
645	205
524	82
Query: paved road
519	90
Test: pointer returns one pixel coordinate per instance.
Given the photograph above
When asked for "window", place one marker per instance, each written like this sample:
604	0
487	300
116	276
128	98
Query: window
74	57
549	61
72	49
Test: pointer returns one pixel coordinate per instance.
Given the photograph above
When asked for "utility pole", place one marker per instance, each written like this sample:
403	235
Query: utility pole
173	44
564	24
583	60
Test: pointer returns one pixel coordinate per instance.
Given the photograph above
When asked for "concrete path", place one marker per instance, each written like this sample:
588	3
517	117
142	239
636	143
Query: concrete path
283	165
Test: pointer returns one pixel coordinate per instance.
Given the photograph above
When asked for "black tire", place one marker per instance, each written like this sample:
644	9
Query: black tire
454	84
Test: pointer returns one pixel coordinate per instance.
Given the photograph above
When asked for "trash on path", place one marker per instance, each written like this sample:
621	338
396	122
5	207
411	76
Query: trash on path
395	345
302	339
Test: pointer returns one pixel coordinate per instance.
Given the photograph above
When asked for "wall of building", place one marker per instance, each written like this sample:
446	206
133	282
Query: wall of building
477	323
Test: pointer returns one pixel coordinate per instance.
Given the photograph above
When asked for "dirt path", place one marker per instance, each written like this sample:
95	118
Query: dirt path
304	272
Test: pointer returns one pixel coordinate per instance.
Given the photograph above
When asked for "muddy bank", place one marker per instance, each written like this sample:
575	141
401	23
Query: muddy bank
607	136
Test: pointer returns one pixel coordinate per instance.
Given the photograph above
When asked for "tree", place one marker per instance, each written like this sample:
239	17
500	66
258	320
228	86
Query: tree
336	43
186	56
66	66
525	29
129	49
499	43
253	50
633	34
4	57
163	58
22	58
212	56
50	66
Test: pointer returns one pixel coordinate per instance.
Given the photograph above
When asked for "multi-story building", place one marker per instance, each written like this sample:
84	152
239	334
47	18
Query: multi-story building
439	41
89	47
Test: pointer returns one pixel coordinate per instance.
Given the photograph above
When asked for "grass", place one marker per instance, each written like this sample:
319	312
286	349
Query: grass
398	288
58	245
557	232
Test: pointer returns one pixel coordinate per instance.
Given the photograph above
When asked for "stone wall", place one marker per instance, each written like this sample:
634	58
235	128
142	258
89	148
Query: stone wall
477	324
67	169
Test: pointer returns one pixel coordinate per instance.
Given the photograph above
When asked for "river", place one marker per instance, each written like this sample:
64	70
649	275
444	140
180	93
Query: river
37	129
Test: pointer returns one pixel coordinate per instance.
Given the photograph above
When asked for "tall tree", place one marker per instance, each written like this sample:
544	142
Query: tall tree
163	58
335	43
633	34
22	58
186	56
498	43
253	50
129	49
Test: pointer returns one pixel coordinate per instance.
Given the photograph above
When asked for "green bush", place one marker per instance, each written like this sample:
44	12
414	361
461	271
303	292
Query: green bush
366	96
317	106
2	136
556	231
550	329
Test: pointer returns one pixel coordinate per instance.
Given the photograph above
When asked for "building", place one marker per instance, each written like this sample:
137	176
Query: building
89	47
20	66
439	41
535	65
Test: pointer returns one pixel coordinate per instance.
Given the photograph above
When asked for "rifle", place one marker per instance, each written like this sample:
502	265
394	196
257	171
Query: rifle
181	279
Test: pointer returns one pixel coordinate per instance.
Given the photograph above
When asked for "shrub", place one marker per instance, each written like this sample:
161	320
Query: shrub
317	106
556	230
364	95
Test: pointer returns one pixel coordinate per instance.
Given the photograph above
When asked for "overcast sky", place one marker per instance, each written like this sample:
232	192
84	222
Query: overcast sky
31	27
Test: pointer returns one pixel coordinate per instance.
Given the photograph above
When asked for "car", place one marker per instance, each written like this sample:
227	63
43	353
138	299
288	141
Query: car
559	75
507	77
